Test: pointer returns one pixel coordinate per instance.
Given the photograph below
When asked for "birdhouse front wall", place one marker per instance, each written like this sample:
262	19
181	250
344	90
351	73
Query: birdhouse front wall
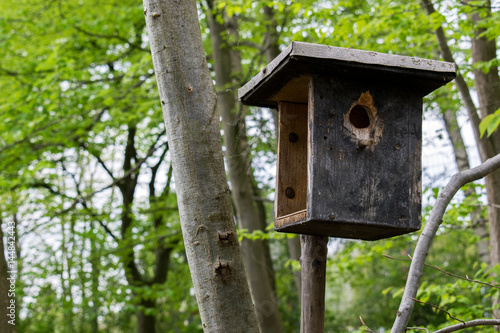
357	174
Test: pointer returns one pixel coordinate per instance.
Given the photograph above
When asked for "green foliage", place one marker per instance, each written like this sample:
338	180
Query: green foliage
78	82
490	123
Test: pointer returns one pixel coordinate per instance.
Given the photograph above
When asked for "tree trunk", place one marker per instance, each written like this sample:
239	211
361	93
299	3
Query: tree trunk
189	109
313	268
479	225
295	252
255	252
7	317
272	51
96	273
146	323
488	88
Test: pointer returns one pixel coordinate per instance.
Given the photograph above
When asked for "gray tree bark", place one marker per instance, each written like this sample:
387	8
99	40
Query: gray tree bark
189	109
256	257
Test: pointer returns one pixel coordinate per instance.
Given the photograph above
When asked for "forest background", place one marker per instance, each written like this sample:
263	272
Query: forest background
86	175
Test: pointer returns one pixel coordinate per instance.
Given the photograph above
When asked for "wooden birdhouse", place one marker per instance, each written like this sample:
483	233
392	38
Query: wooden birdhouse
349	148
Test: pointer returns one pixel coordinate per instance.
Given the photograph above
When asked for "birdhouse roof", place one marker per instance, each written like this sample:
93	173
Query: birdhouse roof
286	78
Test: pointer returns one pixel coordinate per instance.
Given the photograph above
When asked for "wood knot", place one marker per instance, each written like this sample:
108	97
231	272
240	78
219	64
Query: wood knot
155	15
223	271
225	237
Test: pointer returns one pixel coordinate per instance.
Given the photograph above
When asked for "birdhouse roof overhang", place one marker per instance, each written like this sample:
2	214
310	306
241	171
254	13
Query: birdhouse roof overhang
286	78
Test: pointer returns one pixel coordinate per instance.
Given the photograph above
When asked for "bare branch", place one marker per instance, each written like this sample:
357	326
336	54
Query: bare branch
466	278
467	324
103	225
367	328
117	181
440	309
430	229
103	165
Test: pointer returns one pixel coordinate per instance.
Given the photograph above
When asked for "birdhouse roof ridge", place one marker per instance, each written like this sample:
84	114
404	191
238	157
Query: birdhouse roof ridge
368	57
325	57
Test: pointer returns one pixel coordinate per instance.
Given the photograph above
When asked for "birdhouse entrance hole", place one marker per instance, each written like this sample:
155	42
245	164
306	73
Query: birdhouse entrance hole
358	116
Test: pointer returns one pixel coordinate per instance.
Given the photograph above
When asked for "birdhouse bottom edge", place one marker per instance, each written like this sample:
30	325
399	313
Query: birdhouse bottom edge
343	229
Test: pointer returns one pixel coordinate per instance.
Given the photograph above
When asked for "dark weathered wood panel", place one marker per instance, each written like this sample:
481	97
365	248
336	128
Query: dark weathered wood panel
292	159
375	185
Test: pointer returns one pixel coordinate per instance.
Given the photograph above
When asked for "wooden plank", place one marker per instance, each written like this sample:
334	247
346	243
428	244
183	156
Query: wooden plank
291	218
291	185
295	91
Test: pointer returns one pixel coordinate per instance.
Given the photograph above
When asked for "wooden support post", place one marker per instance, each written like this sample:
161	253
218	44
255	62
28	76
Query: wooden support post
313	270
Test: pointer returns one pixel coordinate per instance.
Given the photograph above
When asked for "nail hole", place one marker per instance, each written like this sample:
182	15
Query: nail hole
358	116
289	193
293	137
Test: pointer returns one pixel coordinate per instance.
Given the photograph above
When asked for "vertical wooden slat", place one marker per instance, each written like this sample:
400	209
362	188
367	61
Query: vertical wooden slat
291	189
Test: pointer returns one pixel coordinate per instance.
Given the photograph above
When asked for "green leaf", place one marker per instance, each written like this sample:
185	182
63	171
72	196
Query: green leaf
490	123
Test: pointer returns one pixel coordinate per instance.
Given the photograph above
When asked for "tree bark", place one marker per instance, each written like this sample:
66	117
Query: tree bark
479	224
313	268
256	257
189	109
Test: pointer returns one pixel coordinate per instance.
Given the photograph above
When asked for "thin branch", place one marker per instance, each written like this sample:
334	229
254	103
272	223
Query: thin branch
418	328
440	309
248	44
490	7
103	225
466	278
430	229
30	135
154	171
116	182
103	164
367	328
467	324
